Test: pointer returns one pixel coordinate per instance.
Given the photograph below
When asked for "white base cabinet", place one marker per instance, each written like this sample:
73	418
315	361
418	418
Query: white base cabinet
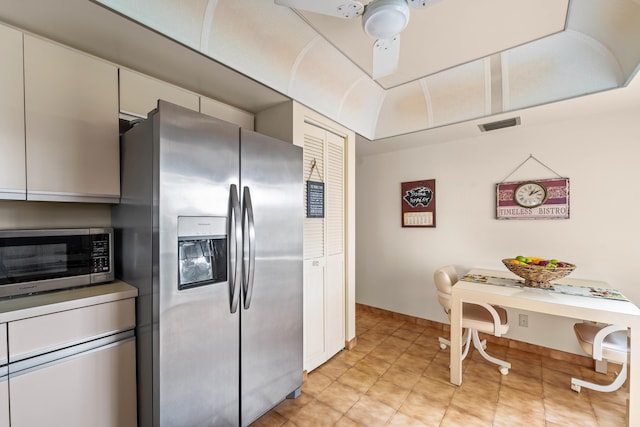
95	388
4	379
68	358
4	402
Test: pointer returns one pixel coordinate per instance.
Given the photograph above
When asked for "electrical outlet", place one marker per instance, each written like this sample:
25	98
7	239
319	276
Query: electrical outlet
523	320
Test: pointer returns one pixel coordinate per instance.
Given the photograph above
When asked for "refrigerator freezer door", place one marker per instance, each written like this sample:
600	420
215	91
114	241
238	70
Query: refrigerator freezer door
271	337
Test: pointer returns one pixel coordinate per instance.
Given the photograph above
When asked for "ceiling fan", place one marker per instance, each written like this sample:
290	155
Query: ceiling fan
383	20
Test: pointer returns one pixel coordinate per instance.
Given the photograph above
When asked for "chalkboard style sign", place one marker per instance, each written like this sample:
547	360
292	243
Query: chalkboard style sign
419	203
315	199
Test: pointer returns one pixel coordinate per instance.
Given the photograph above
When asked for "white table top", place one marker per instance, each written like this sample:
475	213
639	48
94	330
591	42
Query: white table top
540	300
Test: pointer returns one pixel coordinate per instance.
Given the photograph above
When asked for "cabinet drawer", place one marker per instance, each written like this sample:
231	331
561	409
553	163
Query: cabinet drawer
58	330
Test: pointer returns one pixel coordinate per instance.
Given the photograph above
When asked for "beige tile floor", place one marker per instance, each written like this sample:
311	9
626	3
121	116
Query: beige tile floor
397	375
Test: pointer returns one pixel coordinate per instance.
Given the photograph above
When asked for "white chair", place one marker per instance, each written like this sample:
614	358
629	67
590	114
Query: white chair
603	342
476	317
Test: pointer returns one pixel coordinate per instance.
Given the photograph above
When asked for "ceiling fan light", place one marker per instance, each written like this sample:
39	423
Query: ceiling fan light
384	19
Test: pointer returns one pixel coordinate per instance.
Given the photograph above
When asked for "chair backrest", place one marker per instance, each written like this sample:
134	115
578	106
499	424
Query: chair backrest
444	279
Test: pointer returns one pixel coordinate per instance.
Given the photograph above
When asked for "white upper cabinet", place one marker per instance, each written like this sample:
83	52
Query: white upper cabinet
71	114
12	160
222	111
139	94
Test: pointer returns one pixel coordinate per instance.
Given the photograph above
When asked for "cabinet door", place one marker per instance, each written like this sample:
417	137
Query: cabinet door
96	388
71	118
12	166
214	108
4	383
139	94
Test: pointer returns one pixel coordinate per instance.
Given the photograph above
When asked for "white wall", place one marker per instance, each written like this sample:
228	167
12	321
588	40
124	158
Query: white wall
395	265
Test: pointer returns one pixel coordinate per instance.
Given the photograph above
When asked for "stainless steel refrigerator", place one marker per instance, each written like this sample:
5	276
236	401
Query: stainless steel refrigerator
209	229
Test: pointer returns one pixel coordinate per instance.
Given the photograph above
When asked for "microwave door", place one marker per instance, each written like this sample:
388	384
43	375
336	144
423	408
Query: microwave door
41	258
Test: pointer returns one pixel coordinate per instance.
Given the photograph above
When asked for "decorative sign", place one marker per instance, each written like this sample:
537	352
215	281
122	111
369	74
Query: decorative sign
512	199
419	203
315	199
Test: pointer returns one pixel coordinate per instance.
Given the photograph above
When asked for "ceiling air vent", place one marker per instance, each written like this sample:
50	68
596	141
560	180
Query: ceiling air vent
515	121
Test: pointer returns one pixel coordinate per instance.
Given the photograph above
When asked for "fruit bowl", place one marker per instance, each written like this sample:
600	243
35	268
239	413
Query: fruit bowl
538	276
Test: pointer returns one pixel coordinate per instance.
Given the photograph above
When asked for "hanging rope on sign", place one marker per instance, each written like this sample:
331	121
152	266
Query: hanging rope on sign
313	166
531	156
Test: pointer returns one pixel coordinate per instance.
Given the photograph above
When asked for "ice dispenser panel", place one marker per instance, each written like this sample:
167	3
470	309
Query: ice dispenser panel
202	251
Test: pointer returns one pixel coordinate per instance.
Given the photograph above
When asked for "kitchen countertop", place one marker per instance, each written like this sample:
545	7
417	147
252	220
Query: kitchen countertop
17	308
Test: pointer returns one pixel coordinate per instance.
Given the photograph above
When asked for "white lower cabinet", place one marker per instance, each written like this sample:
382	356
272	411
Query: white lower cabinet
70	367
96	388
4	383
4	402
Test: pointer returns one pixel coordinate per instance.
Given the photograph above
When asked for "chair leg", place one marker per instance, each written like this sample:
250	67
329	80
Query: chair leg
466	340
576	383
478	344
444	343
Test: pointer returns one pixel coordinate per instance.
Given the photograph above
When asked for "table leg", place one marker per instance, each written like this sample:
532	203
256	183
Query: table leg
456	340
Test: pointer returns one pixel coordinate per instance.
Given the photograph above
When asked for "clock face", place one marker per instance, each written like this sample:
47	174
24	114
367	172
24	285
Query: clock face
530	194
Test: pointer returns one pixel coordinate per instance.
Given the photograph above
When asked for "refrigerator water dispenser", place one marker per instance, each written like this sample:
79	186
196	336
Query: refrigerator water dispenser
202	251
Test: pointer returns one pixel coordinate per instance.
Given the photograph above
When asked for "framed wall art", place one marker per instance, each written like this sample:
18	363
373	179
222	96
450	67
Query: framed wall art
419	203
533	199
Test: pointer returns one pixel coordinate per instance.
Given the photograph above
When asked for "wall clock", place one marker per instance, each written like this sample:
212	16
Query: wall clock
530	194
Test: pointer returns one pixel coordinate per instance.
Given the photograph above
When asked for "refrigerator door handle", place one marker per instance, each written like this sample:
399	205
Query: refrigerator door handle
235	248
249	250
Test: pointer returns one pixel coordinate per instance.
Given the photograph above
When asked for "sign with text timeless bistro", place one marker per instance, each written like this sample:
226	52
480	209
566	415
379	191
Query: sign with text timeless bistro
537	199
419	203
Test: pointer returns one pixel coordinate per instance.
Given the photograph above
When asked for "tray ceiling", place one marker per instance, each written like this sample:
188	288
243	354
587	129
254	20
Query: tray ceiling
461	60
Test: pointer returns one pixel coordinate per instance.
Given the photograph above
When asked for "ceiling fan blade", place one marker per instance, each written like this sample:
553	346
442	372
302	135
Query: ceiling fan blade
341	8
386	54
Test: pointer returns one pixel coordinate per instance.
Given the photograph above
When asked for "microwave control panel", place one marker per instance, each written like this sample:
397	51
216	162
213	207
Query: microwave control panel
100	250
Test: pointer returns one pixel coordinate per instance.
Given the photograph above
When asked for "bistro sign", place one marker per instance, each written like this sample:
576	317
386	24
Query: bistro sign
555	206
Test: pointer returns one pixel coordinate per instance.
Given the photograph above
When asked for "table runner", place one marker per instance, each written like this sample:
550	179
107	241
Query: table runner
584	291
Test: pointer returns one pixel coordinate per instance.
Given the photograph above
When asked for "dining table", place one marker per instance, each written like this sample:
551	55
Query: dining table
581	299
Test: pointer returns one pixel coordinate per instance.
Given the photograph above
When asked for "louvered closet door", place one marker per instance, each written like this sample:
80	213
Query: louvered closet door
335	283
324	292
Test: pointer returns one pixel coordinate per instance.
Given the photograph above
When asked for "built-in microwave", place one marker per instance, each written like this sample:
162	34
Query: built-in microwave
44	260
